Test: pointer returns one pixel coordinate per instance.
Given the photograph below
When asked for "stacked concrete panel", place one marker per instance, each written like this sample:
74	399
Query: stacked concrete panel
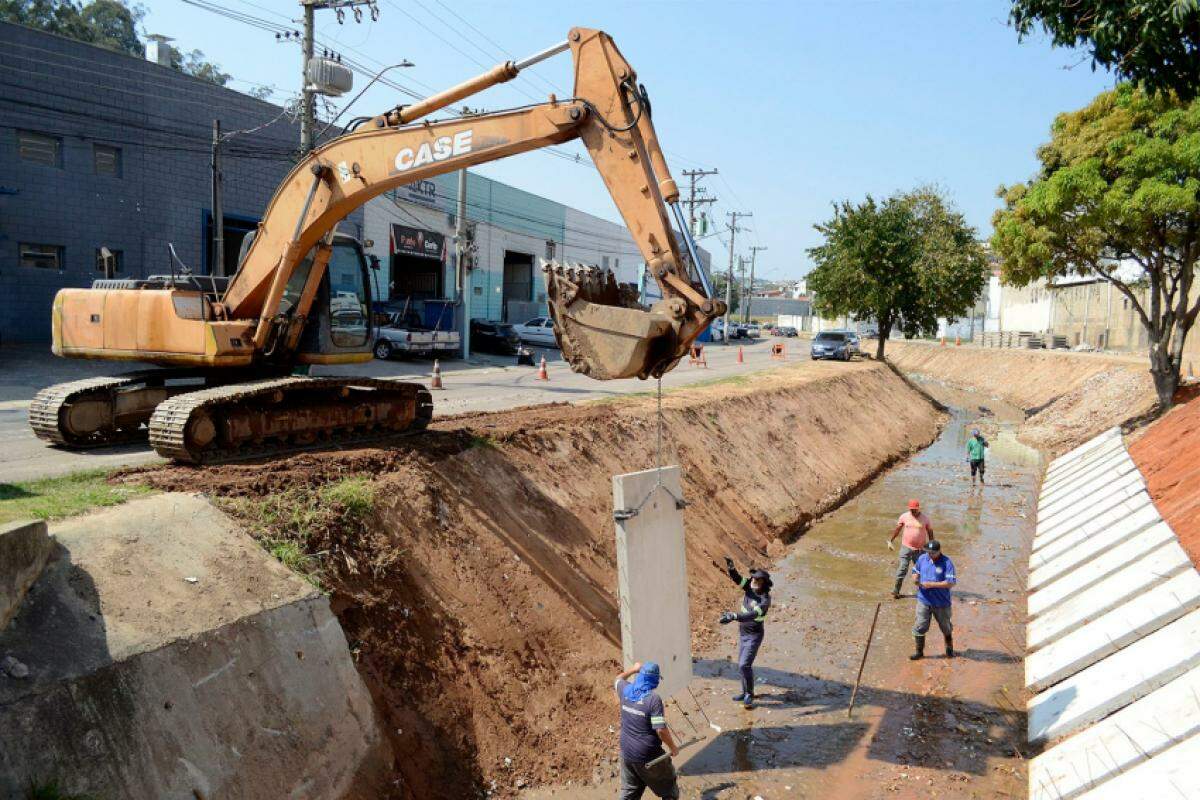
1113	638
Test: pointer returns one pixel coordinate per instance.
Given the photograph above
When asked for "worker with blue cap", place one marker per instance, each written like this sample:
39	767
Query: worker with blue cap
644	731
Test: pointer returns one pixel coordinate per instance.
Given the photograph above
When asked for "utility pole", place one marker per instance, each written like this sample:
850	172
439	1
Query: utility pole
753	258
308	89
464	275
692	202
733	229
307	95
218	213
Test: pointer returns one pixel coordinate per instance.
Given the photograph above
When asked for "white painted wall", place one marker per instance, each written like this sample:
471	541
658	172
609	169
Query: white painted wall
1025	308
592	240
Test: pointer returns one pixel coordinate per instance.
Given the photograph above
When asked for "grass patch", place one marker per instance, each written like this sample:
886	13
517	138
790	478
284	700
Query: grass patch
295	526
52	791
482	442
65	496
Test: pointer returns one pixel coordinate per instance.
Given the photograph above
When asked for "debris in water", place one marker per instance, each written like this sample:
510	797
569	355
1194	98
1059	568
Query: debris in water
14	668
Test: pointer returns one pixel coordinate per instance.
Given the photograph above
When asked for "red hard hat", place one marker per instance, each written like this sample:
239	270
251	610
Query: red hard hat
914	505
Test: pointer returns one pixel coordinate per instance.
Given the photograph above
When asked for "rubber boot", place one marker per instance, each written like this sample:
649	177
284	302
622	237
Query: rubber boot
949	647
920	640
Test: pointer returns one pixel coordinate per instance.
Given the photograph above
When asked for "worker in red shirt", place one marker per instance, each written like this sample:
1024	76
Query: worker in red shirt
917	530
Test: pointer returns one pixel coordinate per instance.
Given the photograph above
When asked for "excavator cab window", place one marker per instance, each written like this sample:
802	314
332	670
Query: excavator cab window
349	296
295	286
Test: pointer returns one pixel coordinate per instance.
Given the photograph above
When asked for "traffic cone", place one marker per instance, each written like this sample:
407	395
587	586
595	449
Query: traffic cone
436	383
957	341
740	359
542	375
943	341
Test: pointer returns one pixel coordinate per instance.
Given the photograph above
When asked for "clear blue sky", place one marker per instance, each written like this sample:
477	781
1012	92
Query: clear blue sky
797	104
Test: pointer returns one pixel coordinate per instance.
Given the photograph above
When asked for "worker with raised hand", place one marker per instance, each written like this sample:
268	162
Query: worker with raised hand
644	731
935	577
917	531
976	455
756	601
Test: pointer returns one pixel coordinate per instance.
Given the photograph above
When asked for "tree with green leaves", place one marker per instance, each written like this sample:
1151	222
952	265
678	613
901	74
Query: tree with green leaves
903	263
194	64
1155	43
1117	196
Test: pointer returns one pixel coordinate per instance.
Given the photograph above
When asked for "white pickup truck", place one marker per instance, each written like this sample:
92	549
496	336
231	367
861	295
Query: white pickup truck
399	338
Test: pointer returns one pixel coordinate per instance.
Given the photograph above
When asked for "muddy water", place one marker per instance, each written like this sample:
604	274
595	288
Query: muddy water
936	727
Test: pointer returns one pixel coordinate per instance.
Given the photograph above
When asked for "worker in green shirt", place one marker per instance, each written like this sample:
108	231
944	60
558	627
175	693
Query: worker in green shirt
976	452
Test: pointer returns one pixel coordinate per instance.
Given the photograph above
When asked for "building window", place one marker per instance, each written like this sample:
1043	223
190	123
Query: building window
478	291
107	160
118	260
38	148
550	247
604	262
41	256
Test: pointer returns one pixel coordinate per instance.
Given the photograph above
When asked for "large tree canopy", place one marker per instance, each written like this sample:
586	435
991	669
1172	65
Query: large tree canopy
903	263
1119	183
1152	42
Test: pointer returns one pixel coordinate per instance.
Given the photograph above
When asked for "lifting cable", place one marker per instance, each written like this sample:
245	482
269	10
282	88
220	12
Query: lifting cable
622	514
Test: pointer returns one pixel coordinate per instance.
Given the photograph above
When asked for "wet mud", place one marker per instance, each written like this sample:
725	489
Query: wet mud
930	728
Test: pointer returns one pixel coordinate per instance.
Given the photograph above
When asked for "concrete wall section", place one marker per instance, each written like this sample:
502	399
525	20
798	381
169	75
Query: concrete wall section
1080	553
1137	732
652	575
24	549
1172	774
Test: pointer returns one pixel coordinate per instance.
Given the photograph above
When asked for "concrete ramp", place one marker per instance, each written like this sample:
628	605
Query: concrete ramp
170	657
1113	636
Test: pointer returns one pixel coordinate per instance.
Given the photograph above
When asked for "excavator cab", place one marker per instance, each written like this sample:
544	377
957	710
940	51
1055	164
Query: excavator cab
339	327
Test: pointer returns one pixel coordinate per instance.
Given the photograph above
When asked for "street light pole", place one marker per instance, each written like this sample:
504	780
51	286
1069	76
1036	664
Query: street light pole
733	229
753	258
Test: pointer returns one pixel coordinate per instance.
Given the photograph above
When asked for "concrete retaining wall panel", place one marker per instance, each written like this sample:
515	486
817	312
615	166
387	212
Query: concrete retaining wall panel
1105	595
1082	500
1116	681
1173	774
1073	456
1156	540
1107	512
1057	476
1164	603
1114	465
25	547
1092	547
1132	515
1049	530
1112	746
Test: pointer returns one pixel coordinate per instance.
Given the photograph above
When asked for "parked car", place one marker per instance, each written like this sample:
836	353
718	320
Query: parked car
786	330
401	335
753	330
831	344
494	337
539	331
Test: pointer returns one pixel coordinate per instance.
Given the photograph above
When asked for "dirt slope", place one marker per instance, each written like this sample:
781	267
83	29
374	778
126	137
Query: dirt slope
1168	454
1068	397
479	594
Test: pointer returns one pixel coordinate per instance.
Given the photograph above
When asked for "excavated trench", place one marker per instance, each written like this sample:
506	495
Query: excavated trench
478	592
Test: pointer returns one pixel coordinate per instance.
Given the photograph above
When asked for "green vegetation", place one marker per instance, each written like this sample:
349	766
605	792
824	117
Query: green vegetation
111	24
52	791
295	525
66	496
483	442
902	263
1155	43
1117	196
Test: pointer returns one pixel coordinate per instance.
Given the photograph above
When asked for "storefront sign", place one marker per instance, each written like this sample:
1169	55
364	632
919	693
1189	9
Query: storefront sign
420	192
408	241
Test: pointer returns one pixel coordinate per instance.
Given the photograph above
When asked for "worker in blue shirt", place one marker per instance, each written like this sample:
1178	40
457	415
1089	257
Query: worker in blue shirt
644	731
935	577
756	600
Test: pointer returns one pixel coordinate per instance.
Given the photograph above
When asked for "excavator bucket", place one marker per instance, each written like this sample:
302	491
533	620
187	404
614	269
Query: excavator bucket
602	329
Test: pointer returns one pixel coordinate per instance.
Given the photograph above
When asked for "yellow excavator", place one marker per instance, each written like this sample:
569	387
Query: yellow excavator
226	349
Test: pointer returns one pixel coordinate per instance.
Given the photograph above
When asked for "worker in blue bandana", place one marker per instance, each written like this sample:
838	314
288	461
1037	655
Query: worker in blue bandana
644	731
756	601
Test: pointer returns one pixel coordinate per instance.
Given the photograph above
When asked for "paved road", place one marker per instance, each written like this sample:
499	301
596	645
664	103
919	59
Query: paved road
486	383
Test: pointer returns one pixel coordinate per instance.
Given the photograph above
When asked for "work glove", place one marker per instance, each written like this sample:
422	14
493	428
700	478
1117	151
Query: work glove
727	617
890	545
729	567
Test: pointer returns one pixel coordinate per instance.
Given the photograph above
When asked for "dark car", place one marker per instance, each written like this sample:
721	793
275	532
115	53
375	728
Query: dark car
831	344
786	330
494	337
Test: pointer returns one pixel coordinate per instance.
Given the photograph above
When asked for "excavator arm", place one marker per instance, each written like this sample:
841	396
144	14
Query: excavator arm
603	330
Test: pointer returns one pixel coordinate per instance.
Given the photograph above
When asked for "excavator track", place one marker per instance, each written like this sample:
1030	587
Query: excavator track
51	409
281	415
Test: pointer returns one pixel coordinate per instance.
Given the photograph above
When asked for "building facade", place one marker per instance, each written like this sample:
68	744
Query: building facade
105	150
513	234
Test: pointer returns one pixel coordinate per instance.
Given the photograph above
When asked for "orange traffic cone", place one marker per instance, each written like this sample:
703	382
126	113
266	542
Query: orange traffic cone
943	341
740	359
436	383
542	375
957	341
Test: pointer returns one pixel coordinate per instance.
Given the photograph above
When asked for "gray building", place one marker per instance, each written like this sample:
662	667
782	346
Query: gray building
103	149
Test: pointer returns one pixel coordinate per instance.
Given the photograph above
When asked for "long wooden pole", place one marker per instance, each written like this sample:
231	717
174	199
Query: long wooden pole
863	663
